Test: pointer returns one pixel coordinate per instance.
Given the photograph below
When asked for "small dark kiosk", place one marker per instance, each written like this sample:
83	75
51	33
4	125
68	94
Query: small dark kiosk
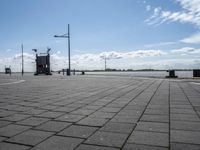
171	74
196	73
43	63
7	70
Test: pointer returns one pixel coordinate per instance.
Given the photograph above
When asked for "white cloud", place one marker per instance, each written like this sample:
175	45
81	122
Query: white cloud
132	59
58	41
58	52
8	50
148	8
118	55
111	55
59	61
190	13
186	50
194	39
15	62
160	44
27	56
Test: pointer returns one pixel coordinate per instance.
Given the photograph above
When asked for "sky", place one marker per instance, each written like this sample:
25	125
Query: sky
130	34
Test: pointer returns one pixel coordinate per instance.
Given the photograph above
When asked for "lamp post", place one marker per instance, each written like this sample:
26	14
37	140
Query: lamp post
105	63
22	59
67	35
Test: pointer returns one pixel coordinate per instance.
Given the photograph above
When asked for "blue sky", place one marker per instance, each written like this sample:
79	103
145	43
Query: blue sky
133	34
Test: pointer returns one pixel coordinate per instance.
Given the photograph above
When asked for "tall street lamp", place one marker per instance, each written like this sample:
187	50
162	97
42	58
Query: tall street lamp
105	63
67	35
22	59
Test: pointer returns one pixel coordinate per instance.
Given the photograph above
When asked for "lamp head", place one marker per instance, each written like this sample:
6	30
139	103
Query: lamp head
35	50
48	49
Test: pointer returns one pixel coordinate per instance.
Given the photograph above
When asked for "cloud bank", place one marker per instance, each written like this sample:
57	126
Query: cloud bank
119	55
190	13
137	59
194	39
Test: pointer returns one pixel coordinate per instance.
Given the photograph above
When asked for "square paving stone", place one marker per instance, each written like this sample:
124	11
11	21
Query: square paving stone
181	106
197	108
181	136
153	127
107	139
5	113
98	122
118	127
131	113
158	107
21	108
182	111
94	147
78	131
53	126
17	117
125	119
99	114
155	118
10	146
58	143
117	105
49	107
142	147
149	138
181	146
110	109
33	121
70	118
30	137
34	111
183	125
4	123
92	107
184	117
2	138
12	129
83	112
156	111
135	107
50	114
99	103
64	109
74	105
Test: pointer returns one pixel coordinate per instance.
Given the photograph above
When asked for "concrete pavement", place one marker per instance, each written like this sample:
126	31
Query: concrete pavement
98	113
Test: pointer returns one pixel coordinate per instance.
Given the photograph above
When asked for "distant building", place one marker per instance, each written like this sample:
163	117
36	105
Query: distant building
196	73
43	64
7	70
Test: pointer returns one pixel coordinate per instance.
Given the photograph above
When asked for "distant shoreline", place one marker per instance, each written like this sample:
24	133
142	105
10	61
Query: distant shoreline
115	70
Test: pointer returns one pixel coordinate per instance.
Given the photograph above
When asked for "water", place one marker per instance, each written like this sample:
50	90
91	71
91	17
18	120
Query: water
160	74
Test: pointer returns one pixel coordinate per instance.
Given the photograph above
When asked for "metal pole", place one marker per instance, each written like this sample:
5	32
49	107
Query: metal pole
69	49
67	36
22	60
105	64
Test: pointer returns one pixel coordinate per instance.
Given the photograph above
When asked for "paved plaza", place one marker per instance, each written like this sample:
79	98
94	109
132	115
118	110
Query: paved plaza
90	112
